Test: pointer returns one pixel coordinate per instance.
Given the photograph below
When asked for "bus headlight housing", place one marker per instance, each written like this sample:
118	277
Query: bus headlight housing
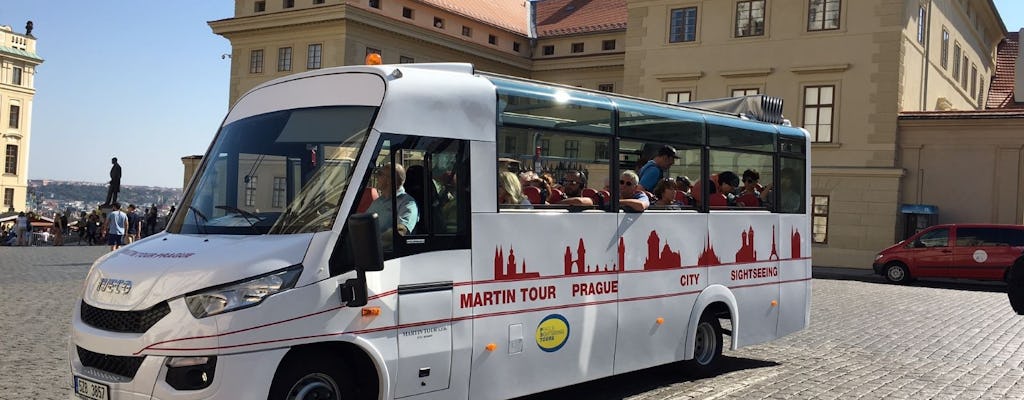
239	295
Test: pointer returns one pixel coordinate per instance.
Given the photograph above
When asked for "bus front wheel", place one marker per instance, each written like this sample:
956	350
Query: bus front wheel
309	379
707	346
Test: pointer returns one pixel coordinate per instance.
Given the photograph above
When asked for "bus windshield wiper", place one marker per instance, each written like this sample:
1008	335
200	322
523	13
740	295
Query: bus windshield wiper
244	214
195	213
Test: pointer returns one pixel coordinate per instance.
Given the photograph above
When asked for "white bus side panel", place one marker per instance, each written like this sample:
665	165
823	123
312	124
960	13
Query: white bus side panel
743	255
660	283
544	294
794	273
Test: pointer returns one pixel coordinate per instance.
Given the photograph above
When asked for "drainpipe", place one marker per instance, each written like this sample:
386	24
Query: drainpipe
927	51
531	23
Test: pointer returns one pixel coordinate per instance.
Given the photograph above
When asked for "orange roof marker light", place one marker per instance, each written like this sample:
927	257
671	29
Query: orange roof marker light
774	303
373	59
660	320
491	347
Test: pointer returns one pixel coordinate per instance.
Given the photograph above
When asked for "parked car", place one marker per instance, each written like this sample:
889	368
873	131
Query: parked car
972	251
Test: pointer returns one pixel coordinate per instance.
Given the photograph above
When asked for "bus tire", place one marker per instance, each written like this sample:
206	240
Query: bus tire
896	272
707	347
1015	287
307	378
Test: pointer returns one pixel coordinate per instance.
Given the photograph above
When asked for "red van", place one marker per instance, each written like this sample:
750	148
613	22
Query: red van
972	251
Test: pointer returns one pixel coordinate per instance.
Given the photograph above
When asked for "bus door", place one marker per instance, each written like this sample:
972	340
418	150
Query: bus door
426	245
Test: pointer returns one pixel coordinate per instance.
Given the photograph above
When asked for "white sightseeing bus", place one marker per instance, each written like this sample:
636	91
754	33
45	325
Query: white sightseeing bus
273	281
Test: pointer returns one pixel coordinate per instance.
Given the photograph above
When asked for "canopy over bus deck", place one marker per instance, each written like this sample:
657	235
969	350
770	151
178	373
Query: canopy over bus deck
452	100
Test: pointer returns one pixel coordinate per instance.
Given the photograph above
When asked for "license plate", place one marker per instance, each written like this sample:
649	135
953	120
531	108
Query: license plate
87	389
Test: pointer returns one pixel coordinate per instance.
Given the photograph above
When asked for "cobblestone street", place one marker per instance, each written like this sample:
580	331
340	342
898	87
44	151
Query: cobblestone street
939	340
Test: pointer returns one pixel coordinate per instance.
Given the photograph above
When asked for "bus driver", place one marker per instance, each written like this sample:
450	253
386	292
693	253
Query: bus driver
408	213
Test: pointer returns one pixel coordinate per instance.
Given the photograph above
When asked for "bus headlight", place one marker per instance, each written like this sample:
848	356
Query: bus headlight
239	295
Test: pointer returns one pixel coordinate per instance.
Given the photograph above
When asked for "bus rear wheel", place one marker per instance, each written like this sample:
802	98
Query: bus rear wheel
311	379
707	346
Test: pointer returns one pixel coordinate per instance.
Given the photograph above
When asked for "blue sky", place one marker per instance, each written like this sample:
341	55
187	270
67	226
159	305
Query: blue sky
142	81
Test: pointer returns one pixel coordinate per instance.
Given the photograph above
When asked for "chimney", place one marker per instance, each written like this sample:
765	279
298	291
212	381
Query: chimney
1018	76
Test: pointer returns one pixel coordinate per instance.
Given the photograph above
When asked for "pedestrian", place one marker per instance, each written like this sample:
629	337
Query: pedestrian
117	226
151	221
134	225
58	230
21	229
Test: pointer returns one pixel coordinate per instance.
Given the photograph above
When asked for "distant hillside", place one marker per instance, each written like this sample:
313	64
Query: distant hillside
49	196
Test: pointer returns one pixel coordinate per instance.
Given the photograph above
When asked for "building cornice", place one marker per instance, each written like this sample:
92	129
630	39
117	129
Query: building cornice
744	73
589	61
820	69
680	76
859	171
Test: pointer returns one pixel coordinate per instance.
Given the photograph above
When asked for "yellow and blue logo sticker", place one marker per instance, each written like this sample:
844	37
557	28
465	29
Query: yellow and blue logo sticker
552	332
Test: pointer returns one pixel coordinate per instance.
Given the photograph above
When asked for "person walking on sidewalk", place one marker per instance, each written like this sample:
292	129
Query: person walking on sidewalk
117	224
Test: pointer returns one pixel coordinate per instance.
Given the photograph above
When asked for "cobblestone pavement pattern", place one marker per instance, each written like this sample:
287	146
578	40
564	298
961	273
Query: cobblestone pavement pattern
866	340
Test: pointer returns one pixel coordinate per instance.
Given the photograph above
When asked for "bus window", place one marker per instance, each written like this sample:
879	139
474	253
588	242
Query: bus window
741	178
791	182
563	169
635	155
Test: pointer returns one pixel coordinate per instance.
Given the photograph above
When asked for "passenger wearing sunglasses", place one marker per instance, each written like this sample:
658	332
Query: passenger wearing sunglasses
631	196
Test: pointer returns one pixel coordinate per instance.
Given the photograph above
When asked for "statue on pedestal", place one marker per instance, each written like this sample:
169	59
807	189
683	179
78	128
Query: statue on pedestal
115	182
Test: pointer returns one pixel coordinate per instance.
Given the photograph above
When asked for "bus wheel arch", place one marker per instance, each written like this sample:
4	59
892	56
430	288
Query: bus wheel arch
1015	286
339	367
717	302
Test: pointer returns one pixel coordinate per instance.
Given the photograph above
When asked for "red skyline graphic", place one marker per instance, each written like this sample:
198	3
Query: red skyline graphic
508	271
578	266
746	252
659	257
708	256
665	259
794	251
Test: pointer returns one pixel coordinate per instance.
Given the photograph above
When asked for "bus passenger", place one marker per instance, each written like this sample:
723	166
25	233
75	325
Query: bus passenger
408	213
574	183
750	195
655	169
791	193
631	196
728	181
665	193
510	191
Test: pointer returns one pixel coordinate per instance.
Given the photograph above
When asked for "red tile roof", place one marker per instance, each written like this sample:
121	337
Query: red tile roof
567	17
1000	92
507	14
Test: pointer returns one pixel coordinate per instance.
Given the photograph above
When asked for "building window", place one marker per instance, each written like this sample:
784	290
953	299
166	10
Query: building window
922	19
250	190
318	1
548	50
956	60
677	97
11	160
818	107
467	31
407	12
981	91
313	56
438	23
256	62
745	92
515	47
288	3
750	18
284	59
963	76
406	60
492	39
8	198
577	47
606	87
16	76
819	230
823	15
572	148
683	25
260	6
375	4
601	150
608	45
974	81
277	201
944	52
15	116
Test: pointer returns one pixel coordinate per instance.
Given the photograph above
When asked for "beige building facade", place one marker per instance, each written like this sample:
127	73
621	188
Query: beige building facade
18	62
845	69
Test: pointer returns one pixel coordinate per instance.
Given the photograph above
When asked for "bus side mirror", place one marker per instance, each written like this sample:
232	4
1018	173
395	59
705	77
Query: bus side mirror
367	255
364	236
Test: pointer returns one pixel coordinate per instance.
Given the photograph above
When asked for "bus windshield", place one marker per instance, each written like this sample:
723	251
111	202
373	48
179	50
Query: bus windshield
282	172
